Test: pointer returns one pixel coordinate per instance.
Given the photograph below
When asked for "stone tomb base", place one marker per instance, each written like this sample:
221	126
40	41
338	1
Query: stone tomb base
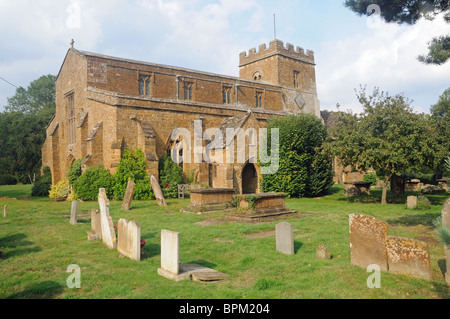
194	272
264	205
210	200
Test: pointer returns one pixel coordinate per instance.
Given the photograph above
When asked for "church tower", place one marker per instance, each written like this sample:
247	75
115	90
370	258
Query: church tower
293	70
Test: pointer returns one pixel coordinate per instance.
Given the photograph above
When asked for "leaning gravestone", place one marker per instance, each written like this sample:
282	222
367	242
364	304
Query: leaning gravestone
108	233
157	191
446	221
285	238
368	241
409	257
129	239
128	195
74	213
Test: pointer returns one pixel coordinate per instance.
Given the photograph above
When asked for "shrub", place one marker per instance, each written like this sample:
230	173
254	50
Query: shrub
304	170
132	166
441	232
74	171
370	178
42	186
170	175
423	203
87	185
59	191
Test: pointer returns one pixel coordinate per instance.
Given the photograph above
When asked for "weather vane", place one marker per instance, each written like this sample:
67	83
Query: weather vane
72	43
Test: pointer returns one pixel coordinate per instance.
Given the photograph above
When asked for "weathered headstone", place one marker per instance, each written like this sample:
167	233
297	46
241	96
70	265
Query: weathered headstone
108	233
5	211
409	257
170	251
285	238
129	239
446	221
128	195
411	202
368	241
96	222
74	213
157	191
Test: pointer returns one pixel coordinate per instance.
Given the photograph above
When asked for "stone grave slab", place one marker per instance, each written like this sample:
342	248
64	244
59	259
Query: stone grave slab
96	222
368	241
108	233
285	238
411	202
129	239
74	213
170	251
128	197
409	257
157	191
172	269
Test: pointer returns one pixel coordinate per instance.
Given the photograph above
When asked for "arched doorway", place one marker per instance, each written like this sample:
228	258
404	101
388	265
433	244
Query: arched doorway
249	179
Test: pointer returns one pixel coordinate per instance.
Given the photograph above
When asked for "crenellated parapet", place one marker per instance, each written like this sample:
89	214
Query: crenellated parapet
276	47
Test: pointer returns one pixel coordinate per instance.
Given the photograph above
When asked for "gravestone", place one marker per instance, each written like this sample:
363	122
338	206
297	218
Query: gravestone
409	257
157	191
96	222
170	251
108	233
74	213
285	238
128	195
411	202
129	239
5	211
172	269
446	221
368	241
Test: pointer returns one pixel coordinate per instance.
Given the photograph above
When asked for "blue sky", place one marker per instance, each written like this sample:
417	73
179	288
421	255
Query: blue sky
209	35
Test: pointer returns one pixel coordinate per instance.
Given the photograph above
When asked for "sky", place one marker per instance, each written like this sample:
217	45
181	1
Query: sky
350	50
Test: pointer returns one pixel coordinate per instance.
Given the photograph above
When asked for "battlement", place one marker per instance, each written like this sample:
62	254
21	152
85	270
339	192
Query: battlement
276	47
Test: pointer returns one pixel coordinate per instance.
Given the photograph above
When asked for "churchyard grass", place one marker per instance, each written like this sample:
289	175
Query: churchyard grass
39	244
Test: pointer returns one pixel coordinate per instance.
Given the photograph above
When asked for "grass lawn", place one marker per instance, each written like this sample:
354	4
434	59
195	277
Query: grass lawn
40	243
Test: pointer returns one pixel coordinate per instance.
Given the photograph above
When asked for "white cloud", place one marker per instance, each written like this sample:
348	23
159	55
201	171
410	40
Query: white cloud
383	56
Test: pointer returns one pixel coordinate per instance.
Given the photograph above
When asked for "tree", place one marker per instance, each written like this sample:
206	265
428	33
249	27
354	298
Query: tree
411	11
440	121
22	130
387	136
38	96
304	170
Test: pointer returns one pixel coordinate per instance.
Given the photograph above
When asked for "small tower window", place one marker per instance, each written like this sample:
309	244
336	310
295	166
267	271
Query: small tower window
259	96
227	95
188	90
71	118
144	85
296	79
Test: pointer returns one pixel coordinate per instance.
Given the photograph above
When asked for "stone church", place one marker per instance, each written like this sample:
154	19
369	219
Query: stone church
105	105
